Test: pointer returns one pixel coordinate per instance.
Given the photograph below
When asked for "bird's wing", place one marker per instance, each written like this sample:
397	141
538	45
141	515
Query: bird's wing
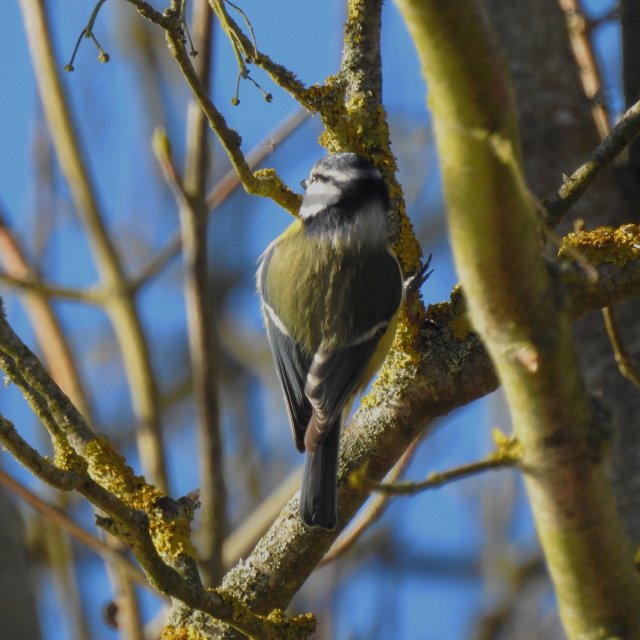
334	376
292	367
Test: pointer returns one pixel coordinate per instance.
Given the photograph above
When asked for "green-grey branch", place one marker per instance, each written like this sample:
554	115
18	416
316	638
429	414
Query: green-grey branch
603	155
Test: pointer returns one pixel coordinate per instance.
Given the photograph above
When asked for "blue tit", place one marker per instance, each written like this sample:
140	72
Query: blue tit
331	290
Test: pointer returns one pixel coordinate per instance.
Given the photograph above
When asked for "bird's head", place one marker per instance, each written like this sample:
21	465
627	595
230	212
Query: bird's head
346	195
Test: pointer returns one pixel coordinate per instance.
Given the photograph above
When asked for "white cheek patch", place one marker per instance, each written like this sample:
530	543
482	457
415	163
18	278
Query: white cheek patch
319	196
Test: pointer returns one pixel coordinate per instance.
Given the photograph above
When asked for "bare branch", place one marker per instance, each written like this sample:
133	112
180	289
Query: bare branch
51	338
279	74
155	527
507	455
602	156
230	181
579	36
625	366
121	306
33	284
201	326
265	183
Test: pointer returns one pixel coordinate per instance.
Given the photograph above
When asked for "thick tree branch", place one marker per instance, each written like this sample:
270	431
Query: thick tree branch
493	229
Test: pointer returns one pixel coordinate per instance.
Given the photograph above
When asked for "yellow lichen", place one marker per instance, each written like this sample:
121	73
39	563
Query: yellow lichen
507	447
293	627
604	244
460	326
354	11
170	535
400	365
181	633
454	313
266	175
281	626
406	246
64	457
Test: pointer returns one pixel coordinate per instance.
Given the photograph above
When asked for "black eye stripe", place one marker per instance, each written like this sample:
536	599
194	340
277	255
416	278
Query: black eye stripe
316	177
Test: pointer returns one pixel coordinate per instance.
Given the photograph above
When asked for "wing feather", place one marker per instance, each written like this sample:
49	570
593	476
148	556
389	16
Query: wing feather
333	378
291	367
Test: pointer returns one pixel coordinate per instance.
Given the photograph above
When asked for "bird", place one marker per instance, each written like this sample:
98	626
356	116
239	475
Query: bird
331	289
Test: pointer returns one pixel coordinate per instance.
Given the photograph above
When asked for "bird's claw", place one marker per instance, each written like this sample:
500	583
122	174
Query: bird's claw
418	277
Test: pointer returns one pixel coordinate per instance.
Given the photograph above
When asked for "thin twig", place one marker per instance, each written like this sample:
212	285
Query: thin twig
121	306
147	11
87	32
579	29
201	327
266	183
193	218
94	296
507	455
623	360
127	615
279	74
46	325
603	155
230	181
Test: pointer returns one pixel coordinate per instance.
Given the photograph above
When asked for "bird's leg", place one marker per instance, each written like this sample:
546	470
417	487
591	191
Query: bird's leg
418	277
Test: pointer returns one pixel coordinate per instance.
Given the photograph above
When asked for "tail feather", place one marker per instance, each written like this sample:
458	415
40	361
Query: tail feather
318	494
